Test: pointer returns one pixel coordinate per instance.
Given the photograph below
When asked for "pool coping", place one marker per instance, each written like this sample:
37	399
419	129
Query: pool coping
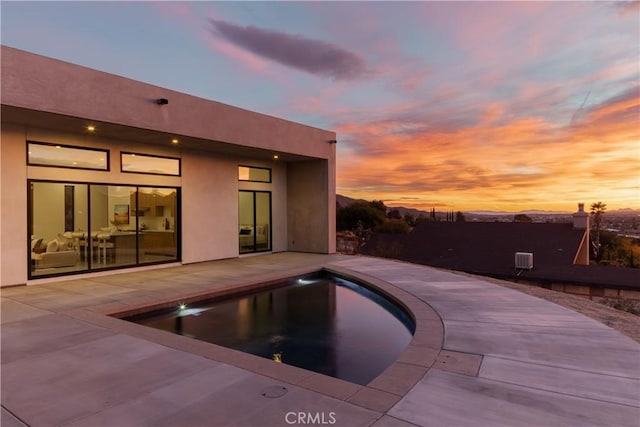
424	352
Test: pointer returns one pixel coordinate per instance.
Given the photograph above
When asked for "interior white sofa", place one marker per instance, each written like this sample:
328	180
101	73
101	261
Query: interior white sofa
54	254
56	259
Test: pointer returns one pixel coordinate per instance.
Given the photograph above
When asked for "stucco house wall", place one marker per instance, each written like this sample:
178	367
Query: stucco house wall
52	101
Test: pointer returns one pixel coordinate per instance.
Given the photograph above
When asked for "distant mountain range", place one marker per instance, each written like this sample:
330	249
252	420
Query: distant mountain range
529	212
346	201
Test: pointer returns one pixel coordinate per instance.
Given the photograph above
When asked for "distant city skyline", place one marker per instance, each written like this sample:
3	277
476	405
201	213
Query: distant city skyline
503	106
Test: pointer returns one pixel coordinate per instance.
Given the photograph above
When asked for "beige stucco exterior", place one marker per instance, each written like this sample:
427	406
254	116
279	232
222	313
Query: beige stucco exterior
52	101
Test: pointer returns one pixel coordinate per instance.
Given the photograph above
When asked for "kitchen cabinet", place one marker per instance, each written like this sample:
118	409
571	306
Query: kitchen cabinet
133	204
145	204
125	247
160	243
170	205
154	204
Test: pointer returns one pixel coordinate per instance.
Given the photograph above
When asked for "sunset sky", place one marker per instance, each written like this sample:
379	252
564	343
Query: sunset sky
453	105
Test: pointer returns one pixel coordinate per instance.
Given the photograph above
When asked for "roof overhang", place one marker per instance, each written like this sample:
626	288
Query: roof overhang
78	125
46	93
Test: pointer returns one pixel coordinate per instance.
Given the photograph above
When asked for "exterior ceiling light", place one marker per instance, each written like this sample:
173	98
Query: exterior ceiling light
174	141
276	157
91	128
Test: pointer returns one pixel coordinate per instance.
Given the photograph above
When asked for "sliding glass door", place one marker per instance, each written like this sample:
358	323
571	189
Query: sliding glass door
75	227
156	214
254	209
113	230
58	221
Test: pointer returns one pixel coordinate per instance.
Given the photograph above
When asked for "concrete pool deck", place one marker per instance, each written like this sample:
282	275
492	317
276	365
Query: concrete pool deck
502	357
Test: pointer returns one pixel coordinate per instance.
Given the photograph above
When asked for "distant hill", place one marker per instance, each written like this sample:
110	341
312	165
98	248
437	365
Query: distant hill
624	212
617	212
346	201
404	211
528	212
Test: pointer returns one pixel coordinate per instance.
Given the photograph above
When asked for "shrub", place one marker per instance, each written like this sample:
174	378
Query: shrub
393	226
623	304
384	249
363	213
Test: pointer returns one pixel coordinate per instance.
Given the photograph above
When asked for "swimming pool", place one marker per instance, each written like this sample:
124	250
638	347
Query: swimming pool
319	322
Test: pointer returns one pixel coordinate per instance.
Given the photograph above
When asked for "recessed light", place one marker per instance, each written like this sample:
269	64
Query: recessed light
91	128
174	141
276	157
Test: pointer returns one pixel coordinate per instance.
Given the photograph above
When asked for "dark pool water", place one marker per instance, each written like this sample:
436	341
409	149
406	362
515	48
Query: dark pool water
323	324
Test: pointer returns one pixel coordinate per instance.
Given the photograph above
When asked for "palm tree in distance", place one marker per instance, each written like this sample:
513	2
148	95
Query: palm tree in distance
597	211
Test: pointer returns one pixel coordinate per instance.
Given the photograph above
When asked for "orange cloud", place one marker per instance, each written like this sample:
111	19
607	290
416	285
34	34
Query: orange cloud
525	163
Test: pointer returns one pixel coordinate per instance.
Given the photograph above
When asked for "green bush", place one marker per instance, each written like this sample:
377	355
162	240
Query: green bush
364	213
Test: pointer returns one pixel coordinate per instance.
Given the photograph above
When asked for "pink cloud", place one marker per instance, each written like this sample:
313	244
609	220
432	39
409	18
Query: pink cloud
246	59
486	122
631	7
492	112
174	9
525	161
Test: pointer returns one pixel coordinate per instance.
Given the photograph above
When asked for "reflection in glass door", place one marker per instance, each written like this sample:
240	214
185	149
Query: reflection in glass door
58	225
254	220
113	232
77	227
156	214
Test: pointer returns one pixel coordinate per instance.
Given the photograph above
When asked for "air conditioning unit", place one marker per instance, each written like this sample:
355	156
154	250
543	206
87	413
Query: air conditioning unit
524	260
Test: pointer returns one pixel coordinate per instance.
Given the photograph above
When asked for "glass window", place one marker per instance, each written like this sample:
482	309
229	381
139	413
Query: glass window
77	227
250	173
143	163
65	156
